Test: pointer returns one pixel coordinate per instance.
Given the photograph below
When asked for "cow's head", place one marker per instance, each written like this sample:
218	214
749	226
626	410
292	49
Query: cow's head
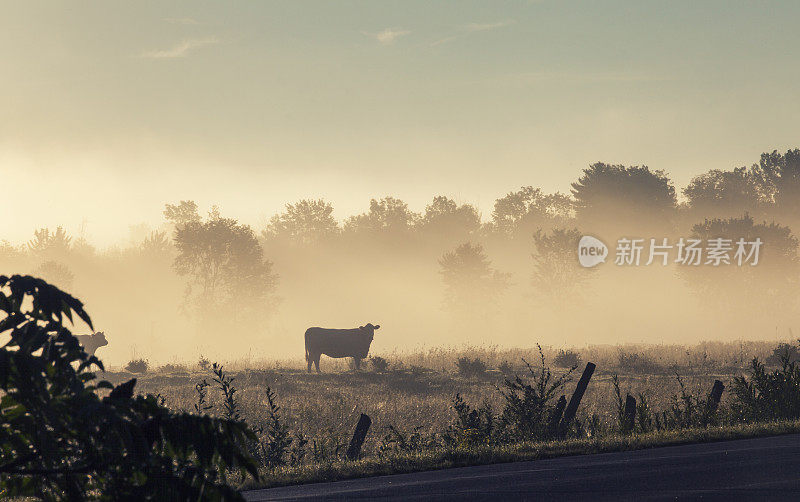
369	329
100	339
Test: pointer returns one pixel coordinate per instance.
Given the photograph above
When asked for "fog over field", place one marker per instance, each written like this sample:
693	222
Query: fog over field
202	283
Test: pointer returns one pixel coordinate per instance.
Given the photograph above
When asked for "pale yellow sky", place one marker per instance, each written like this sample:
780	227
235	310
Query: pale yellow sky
112	109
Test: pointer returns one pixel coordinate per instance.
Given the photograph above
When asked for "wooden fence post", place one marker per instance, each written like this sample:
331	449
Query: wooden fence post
575	400
716	395
354	450
629	415
552	427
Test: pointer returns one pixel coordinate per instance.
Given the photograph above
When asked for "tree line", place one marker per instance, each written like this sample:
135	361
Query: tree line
227	266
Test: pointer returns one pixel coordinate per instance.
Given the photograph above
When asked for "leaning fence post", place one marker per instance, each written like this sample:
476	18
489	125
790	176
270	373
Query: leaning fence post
354	450
575	400
716	395
555	418
629	414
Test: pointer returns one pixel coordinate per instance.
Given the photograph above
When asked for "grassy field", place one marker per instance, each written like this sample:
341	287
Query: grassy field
414	395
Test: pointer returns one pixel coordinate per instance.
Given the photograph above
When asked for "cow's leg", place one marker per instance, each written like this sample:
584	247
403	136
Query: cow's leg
316	361
310	362
357	363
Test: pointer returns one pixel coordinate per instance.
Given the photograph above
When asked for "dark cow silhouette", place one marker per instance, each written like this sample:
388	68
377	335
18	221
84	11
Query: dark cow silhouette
338	343
91	343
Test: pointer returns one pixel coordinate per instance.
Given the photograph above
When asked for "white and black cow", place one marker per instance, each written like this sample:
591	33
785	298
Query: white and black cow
339	343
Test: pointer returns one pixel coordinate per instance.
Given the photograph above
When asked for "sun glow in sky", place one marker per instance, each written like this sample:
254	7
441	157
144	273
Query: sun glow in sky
110	110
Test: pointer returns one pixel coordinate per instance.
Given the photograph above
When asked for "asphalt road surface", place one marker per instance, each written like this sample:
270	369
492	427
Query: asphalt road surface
747	469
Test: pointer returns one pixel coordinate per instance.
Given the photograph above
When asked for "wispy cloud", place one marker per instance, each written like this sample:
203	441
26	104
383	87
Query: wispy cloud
182	20
466	29
473	27
388	36
443	41
181	49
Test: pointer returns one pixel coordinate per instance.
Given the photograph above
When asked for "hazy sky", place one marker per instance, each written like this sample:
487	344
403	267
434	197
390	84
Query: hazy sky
108	110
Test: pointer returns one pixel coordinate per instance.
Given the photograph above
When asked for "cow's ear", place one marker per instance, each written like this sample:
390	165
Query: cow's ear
378	326
361	327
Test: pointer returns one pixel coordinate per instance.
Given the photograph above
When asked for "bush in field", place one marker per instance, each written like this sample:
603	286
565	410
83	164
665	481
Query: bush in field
529	404
471	368
137	366
638	363
61	441
203	363
783	349
506	368
379	364
567	359
472	426
415	441
275	441
173	368
768	395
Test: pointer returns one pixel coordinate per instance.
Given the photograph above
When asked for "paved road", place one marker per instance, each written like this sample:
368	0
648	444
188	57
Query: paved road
748	469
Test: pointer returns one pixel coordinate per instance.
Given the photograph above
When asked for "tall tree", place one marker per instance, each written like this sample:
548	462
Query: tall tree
781	174
618	198
557	276
770	285
225	264
304	222
388	215
183	212
472	284
519	214
447	221
719	194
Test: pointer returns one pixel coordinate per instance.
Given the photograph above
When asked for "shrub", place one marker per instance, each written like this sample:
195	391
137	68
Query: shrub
471	367
783	349
172	368
203	363
567	359
529	412
472	426
130	448
379	364
230	405
768	395
137	366
638	363
506	368
275	440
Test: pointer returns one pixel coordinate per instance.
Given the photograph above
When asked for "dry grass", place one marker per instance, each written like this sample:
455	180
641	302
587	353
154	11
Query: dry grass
418	389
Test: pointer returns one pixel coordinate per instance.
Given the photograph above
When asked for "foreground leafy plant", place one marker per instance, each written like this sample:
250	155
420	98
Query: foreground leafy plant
59	440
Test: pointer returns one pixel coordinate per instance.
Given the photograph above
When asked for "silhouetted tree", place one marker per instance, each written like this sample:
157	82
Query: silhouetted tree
720	193
388	215
56	273
520	213
46	244
225	263
615	197
183	212
557	275
781	175
446	220
156	246
305	222
771	284
472	284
